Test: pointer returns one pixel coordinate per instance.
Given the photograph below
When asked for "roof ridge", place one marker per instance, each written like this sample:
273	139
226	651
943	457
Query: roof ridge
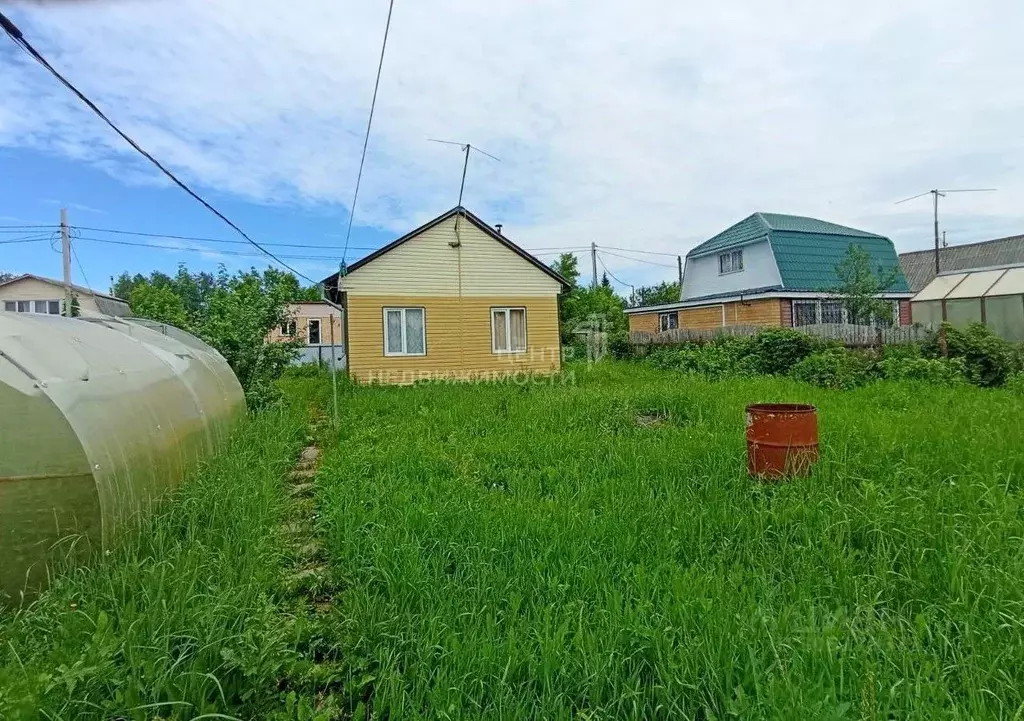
931	251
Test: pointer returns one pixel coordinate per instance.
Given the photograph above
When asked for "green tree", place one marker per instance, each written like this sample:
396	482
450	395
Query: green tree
158	303
567	266
76	309
4	277
233	313
860	286
655	294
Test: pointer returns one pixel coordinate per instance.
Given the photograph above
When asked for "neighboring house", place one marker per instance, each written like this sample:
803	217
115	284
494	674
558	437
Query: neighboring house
452	299
919	265
319	326
35	294
771	270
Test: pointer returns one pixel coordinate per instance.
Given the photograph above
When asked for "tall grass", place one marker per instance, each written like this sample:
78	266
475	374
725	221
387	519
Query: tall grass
179	619
553	552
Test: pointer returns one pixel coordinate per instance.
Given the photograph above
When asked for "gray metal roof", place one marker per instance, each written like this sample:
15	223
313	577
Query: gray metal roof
919	265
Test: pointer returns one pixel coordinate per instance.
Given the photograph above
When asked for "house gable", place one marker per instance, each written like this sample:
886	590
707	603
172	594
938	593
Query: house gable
455	254
781	251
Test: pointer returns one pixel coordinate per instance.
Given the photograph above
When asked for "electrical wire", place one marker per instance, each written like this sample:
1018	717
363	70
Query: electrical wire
203	250
26	227
207	240
366	140
645	252
19	39
640	260
74	254
610	274
27	239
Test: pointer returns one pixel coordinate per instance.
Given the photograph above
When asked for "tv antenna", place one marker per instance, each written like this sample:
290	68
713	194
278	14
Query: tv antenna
936	194
466	148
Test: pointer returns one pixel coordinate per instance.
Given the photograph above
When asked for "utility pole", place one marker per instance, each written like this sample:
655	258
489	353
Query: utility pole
65	249
593	262
679	262
936	194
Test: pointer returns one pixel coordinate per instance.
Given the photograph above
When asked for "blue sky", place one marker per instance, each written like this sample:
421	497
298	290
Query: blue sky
649	125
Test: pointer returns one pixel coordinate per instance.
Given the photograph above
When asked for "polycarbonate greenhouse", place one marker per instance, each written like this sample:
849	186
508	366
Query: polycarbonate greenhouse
97	418
993	296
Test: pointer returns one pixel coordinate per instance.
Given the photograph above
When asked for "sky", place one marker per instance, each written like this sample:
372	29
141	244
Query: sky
644	126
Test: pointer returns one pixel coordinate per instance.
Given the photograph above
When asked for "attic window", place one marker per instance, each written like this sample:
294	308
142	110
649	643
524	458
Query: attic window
731	262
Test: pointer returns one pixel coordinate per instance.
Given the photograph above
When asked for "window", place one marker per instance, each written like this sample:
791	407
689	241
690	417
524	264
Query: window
288	328
405	331
313	331
11	305
668	321
831	312
730	262
508	330
48	307
805	312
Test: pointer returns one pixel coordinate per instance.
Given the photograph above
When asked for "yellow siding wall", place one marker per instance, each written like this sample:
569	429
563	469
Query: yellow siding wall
428	265
458	338
646	322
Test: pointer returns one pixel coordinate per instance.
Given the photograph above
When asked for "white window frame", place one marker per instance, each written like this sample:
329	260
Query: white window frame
319	331
731	262
817	312
507	310
289	328
403	309
663	320
32	306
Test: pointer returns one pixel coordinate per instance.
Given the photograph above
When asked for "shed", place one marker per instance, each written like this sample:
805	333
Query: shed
98	417
993	296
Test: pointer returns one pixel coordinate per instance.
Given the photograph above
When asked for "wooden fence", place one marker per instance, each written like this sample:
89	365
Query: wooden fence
852	336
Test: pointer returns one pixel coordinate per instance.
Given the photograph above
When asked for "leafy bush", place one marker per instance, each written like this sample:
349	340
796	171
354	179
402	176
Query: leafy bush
1015	383
940	371
832	368
718	359
619	345
777	350
988	359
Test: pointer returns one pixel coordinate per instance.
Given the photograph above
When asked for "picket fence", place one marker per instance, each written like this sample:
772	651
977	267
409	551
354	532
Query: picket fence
852	336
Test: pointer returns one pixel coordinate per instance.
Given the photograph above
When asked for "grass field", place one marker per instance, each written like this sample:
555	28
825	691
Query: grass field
587	549
534	552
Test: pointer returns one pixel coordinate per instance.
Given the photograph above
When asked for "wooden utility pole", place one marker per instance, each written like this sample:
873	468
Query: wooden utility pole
679	261
65	249
593	262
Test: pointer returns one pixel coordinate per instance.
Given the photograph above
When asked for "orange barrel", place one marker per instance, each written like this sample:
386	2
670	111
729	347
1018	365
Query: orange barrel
782	439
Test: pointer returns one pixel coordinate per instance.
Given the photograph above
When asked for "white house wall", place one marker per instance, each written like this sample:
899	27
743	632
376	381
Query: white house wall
701	276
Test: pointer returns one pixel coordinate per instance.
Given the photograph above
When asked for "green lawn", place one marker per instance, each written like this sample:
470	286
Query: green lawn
546	551
534	552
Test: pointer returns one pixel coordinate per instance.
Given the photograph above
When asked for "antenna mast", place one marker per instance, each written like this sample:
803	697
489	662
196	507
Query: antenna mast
936	194
466	148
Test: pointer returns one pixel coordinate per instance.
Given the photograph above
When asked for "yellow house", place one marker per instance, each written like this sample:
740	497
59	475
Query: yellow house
453	299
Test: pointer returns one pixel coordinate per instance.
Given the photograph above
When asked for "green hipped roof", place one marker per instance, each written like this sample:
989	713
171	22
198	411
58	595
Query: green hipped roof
807	250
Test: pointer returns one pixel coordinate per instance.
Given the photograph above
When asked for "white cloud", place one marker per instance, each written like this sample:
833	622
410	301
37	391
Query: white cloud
643	125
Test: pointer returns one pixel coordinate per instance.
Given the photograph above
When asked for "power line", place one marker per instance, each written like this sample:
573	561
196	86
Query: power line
612	275
640	260
366	140
74	254
645	252
27	239
203	250
19	39
209	240
26	227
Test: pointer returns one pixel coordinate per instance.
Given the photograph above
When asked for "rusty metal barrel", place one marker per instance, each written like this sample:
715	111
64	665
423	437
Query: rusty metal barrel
782	439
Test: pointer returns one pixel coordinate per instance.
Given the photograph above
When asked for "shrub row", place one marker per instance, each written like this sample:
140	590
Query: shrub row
972	355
